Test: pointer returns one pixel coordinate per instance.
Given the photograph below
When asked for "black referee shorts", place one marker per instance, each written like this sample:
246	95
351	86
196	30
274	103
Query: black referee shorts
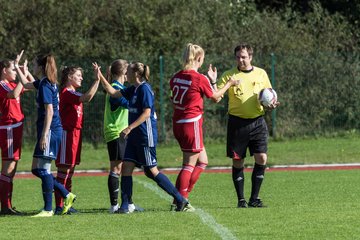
246	133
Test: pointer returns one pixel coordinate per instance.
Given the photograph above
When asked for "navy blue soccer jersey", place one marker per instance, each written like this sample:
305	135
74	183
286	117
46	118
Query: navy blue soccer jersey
140	98
118	102
47	93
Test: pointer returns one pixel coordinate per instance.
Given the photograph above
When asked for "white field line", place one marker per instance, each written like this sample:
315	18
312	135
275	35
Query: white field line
205	217
318	165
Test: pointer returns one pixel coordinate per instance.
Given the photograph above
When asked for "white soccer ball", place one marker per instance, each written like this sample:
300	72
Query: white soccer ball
267	96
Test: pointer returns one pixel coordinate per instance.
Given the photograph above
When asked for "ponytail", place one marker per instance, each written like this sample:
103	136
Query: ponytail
146	72
48	64
141	69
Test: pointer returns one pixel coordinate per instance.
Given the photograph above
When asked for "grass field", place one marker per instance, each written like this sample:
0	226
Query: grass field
302	151
301	205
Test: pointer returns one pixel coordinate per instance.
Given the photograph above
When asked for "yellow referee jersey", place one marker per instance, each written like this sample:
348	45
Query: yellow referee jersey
243	99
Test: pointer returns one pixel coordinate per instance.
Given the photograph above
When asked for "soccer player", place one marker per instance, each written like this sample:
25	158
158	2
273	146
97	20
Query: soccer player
11	130
71	114
188	87
246	124
141	135
49	132
115	120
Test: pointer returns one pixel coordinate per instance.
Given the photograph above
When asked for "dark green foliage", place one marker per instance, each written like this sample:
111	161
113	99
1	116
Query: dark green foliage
316	50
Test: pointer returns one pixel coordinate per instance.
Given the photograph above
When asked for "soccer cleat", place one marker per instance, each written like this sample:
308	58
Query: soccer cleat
44	213
242	203
185	206
188	208
123	211
72	211
172	207
10	211
255	203
180	206
68	202
114	209
135	208
58	210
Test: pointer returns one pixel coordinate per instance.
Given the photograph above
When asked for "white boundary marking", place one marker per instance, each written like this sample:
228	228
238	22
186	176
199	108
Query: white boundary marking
205	217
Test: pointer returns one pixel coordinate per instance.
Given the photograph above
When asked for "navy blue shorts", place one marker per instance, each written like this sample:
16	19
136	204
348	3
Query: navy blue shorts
52	145
246	133
142	156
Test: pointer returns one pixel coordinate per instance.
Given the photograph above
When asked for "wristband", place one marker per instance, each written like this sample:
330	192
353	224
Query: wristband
16	65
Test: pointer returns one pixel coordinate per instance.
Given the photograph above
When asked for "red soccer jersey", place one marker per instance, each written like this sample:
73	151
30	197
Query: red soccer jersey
188	88
71	109
10	108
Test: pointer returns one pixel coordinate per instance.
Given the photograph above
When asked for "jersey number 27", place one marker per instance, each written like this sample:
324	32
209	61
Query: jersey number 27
179	93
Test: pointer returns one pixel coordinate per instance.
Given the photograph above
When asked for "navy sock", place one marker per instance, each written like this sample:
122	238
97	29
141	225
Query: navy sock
257	178
47	185
164	182
238	180
126	191
61	188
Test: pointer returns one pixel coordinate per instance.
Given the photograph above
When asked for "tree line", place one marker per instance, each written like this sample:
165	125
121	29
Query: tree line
316	44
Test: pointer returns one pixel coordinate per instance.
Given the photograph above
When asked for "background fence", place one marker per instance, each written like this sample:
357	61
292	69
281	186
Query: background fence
318	92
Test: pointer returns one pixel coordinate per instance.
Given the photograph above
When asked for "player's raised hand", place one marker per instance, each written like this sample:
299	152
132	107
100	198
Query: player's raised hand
24	68
212	73
97	70
18	57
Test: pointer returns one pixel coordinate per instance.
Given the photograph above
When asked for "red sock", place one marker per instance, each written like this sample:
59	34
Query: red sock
68	184
5	186
10	193
61	177
199	168
183	180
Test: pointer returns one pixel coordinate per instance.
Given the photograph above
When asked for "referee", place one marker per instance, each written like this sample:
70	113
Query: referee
246	124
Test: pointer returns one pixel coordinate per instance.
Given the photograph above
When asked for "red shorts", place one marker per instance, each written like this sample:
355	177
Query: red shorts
10	141
70	148
189	135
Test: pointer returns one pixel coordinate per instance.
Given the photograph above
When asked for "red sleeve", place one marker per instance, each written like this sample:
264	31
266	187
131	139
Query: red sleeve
205	86
3	92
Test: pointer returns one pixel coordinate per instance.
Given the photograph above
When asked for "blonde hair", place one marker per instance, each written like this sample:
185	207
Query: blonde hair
191	54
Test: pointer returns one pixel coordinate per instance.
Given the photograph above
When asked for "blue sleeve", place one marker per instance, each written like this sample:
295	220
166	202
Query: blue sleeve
128	92
36	84
146	97
118	102
46	94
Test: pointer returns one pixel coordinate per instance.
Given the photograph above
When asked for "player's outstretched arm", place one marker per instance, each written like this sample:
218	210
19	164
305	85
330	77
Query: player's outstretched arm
108	88
24	79
219	93
86	97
